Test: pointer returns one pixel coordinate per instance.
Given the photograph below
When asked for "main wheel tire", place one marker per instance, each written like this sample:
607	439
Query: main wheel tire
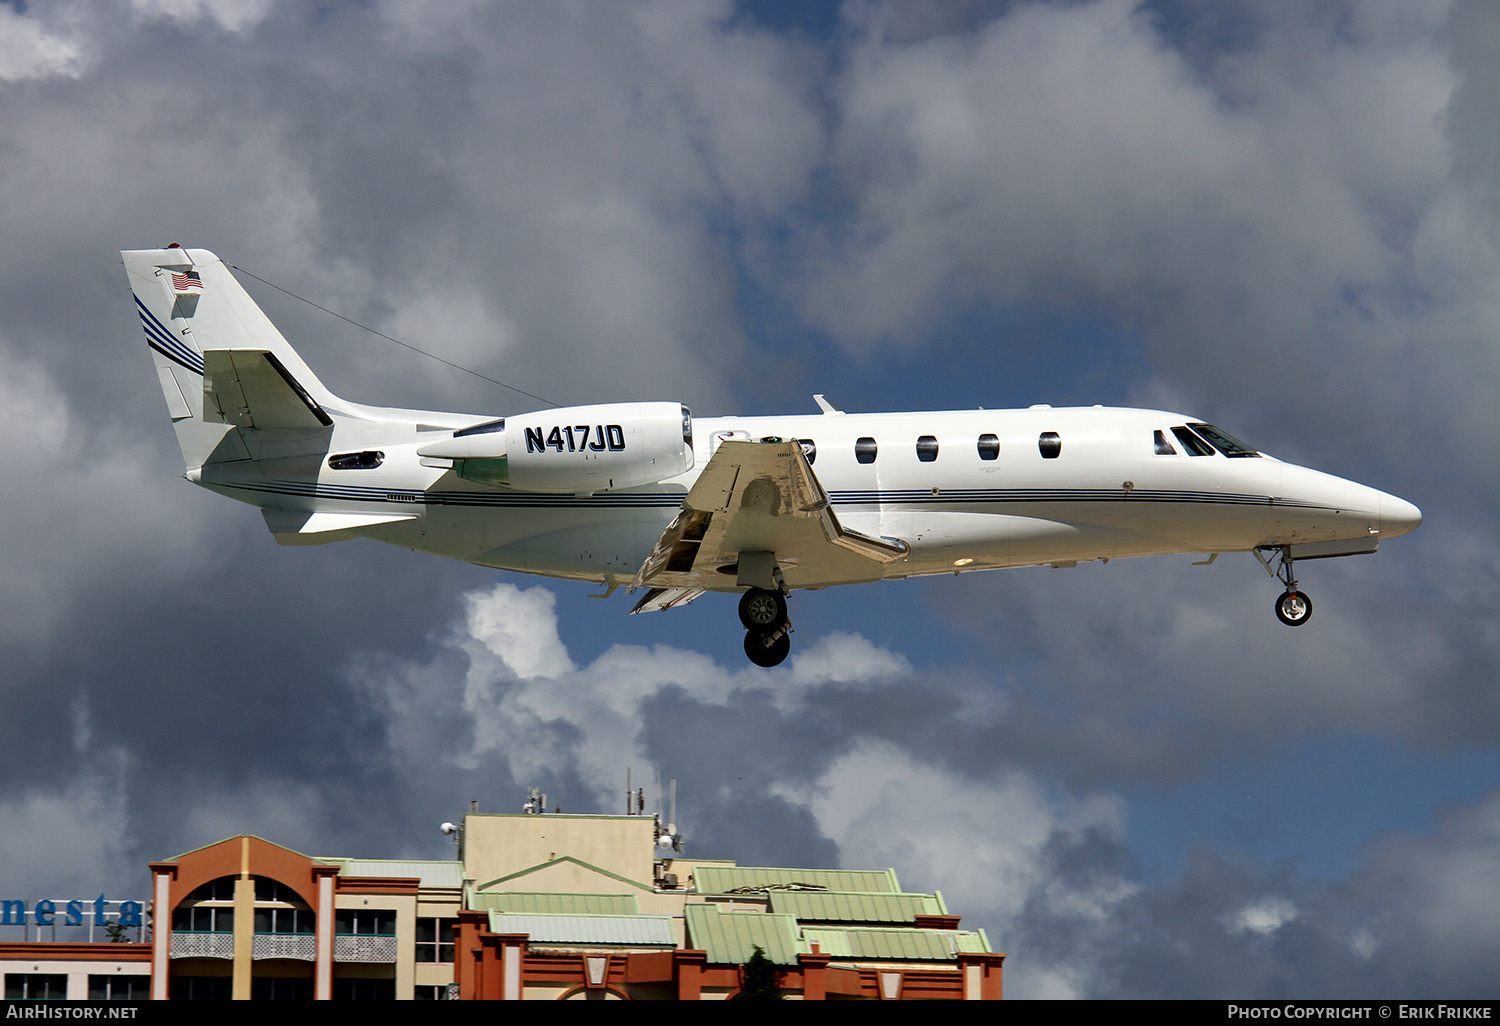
762	654
1294	608
762	610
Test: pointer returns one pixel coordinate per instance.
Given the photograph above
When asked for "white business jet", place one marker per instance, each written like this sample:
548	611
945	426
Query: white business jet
646	495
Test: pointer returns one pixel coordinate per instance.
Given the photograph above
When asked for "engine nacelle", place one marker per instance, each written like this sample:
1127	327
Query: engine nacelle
575	450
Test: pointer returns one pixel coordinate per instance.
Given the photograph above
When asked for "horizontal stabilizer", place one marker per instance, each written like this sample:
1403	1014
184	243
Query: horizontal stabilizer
250	388
293	527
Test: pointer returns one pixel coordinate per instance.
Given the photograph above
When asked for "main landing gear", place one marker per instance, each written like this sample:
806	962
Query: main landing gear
767	628
1293	607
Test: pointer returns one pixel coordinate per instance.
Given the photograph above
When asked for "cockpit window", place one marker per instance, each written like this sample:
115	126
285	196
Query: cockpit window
1163	447
1227	444
1192	443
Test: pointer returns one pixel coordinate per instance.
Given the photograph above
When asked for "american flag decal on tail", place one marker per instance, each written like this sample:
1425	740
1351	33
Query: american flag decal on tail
188	283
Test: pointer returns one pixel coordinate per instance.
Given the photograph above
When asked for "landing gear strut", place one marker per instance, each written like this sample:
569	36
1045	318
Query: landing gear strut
1293	607
767	627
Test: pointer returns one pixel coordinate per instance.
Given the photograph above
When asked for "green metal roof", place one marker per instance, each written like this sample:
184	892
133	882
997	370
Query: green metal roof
730	938
624	931
431	873
857	907
541	903
724	879
893	944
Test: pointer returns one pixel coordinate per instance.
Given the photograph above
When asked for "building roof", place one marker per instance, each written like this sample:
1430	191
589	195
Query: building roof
566	860
741	879
545	903
625	931
893	943
855	907
431	873
730	938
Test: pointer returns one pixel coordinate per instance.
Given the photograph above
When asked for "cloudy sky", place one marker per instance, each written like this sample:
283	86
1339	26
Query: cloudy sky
1282	218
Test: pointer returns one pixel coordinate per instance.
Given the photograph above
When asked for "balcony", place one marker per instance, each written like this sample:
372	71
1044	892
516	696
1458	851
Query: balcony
301	946
186	944
364	947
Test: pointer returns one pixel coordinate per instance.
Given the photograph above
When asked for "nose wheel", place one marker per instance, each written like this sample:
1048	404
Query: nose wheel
1293	607
767	627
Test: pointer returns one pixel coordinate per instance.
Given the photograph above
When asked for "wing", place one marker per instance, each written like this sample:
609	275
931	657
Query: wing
755	516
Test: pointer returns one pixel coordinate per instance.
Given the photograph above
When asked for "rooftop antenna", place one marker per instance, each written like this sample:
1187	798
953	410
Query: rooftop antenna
671	839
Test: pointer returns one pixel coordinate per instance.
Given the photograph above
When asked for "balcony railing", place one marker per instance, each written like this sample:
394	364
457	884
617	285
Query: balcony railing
302	946
202	945
364	947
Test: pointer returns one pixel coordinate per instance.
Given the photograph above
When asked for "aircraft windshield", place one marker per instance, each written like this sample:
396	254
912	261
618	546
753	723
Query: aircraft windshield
1227	444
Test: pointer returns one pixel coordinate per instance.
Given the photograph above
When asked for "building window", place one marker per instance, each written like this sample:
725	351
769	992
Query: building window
864	450
989	447
1050	445
927	448
285	920
203	919
36	986
358	989
119	988
438	992
281	988
199	988
267	889
435	939
221	889
376	922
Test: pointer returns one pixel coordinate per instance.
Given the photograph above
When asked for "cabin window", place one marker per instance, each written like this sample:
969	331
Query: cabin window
1192	443
1163	447
1227	444
864	450
927	448
809	449
989	447
1049	444
355	460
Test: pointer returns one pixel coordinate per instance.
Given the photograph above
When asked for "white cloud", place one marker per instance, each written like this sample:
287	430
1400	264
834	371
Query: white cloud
233	15
1263	917
32	49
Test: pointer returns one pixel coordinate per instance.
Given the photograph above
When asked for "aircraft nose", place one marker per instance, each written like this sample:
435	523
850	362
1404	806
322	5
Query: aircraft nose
1398	517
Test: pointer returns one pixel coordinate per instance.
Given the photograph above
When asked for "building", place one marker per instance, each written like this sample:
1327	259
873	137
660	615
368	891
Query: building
544	906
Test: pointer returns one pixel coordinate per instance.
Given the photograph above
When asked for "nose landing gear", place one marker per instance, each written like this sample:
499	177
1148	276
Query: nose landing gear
767	626
1293	607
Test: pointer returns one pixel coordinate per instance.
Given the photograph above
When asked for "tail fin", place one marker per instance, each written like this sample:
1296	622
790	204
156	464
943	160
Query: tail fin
221	362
